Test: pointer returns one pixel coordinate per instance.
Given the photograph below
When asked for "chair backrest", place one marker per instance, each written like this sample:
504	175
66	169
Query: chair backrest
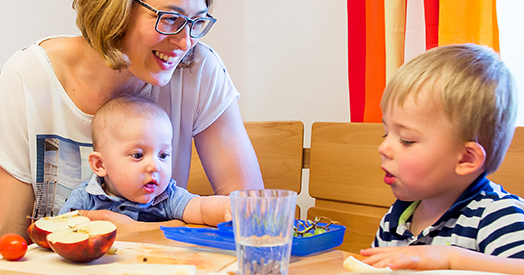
346	180
508	174
279	148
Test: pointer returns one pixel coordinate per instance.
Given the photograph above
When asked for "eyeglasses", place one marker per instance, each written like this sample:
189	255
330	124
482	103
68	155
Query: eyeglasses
169	22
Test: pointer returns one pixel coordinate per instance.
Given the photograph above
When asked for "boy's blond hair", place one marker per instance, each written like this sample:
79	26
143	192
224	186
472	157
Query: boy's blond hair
104	22
477	90
116	111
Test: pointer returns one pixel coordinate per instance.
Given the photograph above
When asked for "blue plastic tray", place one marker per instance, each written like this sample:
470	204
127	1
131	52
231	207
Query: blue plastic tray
224	238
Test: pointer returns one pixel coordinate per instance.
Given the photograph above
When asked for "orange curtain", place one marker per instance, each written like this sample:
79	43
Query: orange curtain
383	34
469	21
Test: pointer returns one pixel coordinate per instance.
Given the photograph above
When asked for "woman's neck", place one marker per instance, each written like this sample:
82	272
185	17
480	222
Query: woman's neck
85	76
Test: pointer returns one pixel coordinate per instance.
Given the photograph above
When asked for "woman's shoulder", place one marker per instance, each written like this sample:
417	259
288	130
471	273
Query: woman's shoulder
22	59
207	56
27	57
204	50
59	43
63	51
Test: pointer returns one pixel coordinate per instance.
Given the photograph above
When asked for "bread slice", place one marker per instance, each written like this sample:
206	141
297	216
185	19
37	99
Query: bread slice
354	265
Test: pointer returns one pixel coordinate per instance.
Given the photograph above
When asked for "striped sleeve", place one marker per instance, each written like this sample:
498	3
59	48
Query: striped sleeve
501	228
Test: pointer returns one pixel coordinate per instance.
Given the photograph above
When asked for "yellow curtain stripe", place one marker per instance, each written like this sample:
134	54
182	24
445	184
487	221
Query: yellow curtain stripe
468	21
395	19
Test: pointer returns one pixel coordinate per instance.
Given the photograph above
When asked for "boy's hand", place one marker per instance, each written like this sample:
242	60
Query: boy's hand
418	257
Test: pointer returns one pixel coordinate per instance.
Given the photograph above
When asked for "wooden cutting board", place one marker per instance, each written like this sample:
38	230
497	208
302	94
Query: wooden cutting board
154	257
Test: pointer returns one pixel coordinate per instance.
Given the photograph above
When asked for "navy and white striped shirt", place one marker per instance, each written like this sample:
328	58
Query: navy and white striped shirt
484	218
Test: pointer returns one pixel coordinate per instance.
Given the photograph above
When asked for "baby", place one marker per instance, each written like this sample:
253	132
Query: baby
131	161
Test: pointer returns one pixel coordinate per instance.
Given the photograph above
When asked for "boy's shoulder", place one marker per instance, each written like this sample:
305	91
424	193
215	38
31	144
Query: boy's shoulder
496	192
492	199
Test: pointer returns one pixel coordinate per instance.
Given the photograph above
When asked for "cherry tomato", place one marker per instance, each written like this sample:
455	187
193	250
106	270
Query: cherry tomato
12	246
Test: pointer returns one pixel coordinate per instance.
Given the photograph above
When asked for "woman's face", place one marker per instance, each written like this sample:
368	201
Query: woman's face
154	56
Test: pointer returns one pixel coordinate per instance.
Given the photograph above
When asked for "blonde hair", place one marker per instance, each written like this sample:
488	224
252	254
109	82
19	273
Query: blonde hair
116	111
477	91
104	22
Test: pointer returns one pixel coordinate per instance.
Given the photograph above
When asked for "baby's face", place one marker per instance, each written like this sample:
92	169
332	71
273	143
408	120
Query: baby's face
137	159
421	148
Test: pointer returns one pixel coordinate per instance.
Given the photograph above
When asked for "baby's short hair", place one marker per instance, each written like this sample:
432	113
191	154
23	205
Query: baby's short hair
118	109
477	90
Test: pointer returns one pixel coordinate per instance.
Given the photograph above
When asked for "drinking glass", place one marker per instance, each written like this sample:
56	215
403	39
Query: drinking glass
263	226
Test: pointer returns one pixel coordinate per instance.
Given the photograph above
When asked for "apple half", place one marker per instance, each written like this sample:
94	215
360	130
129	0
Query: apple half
39	229
84	242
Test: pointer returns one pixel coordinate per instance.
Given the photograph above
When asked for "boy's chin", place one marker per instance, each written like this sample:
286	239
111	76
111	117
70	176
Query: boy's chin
401	195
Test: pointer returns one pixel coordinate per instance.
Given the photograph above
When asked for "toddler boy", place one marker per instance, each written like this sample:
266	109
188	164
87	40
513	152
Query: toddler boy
449	117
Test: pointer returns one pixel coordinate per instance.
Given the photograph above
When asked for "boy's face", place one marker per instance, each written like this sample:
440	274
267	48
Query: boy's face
421	150
137	158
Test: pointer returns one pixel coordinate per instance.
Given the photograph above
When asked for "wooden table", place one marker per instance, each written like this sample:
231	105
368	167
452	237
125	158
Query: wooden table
47	262
325	263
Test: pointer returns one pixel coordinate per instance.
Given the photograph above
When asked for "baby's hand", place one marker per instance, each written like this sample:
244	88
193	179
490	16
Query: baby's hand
418	257
214	210
227	210
227	214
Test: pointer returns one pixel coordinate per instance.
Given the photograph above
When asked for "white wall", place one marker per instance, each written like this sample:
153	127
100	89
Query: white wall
511	44
287	57
22	22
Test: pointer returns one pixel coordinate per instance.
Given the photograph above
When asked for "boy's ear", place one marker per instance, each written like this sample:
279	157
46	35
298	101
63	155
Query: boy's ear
473	158
97	164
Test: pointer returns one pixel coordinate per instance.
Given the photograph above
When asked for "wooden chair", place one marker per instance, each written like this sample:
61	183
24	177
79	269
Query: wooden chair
278	145
508	175
346	180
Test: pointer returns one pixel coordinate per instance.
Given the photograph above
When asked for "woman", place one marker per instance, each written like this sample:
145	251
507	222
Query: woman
149	48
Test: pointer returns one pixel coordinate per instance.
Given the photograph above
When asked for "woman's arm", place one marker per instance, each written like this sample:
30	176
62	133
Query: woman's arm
16	203
227	154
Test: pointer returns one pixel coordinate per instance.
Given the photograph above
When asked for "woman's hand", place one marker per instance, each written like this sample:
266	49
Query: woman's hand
418	257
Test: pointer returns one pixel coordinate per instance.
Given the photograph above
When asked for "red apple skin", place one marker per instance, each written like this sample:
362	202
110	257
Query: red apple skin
85	251
38	236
